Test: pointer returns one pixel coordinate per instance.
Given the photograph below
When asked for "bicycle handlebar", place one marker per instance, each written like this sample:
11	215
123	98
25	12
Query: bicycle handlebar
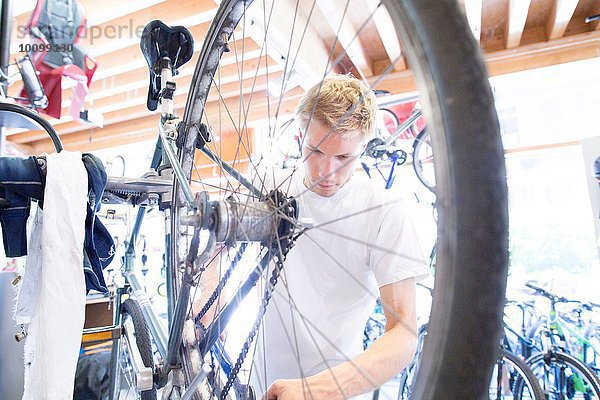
18	109
559	299
554	298
590	305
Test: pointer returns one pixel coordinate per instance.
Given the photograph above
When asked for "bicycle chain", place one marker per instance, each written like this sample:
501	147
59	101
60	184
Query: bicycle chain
250	338
280	248
222	282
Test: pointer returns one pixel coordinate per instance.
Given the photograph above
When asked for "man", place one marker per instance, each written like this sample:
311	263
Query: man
362	246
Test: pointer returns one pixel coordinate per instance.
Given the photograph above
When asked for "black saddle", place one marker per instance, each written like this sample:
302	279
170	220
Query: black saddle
160	41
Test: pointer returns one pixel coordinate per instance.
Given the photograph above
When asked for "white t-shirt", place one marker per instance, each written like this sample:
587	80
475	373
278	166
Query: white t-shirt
363	238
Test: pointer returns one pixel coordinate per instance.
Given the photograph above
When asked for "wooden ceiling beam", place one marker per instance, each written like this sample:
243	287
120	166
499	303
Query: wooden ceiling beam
537	55
96	11
137	78
515	24
385	27
139	109
568	49
105	33
125	29
145	128
347	35
561	14
132	87
228	74
396	82
298	43
132	54
129	61
501	62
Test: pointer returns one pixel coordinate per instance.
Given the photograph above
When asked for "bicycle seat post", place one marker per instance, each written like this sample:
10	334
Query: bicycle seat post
167	89
165	48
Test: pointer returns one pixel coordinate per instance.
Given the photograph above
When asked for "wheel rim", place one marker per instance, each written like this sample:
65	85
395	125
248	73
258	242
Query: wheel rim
452	166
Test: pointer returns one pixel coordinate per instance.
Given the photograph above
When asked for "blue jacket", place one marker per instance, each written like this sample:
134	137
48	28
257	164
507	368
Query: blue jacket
22	179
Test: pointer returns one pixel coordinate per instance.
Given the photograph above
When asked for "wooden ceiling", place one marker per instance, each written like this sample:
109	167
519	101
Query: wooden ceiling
514	35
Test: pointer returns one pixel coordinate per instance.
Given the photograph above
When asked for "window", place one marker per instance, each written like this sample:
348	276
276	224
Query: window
544	113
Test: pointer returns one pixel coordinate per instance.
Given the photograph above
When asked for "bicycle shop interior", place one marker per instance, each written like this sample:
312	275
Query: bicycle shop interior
543	62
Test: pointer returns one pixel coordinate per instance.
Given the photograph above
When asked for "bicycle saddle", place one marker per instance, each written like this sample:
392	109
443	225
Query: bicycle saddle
160	41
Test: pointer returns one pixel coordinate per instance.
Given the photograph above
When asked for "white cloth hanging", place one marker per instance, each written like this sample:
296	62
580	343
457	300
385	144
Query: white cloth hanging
32	275
52	296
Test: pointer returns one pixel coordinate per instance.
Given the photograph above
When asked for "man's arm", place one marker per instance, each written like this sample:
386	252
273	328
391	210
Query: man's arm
388	355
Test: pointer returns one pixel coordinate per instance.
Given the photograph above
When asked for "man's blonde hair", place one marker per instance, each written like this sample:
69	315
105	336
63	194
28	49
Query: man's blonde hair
340	102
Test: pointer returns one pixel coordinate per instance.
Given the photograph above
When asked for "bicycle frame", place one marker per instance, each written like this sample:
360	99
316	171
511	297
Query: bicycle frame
525	345
582	342
560	330
557	329
377	148
168	345
524	342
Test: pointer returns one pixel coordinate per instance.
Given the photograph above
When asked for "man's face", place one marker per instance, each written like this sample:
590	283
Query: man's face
329	159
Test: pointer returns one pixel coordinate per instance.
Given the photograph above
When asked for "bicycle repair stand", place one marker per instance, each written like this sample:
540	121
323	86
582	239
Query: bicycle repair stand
159	44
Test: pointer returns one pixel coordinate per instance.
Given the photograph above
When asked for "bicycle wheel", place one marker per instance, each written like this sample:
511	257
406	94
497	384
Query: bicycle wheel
513	379
563	376
539	335
423	160
407	380
389	122
134	322
470	175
